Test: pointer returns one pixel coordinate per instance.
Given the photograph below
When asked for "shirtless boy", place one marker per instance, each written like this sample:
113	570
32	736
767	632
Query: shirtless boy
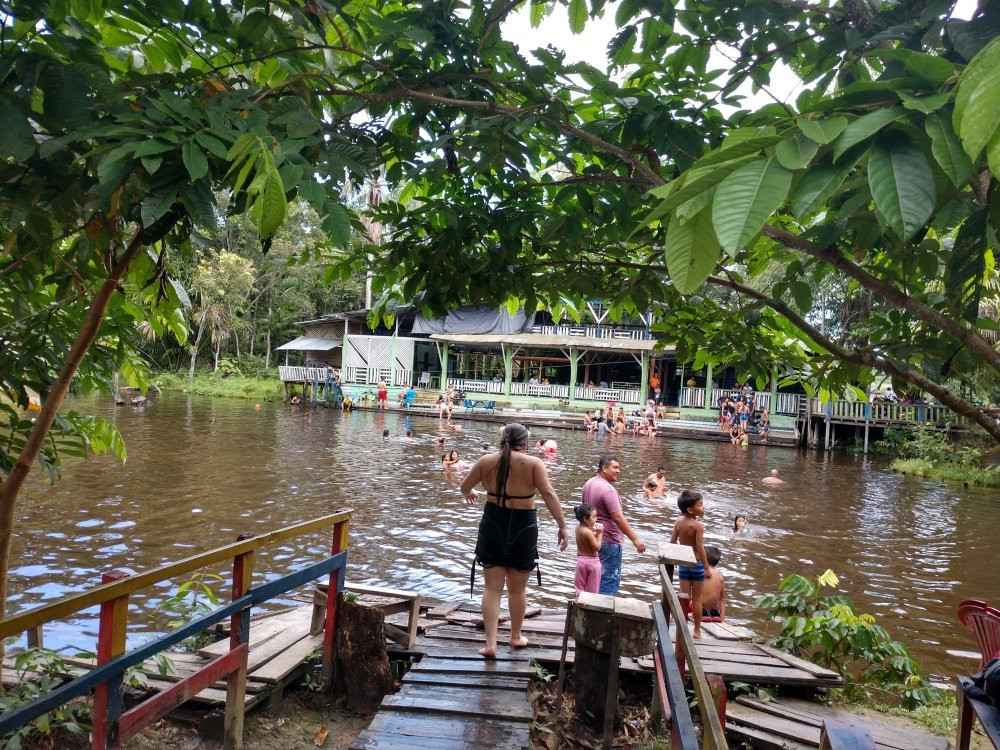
655	482
713	591
690	531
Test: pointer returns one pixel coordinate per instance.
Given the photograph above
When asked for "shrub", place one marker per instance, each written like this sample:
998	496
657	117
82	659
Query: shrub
828	631
39	670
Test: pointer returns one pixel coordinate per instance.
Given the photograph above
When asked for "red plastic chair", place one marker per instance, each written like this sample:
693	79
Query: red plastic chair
984	622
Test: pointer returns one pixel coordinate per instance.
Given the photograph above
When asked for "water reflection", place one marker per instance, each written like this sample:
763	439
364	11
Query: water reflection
201	471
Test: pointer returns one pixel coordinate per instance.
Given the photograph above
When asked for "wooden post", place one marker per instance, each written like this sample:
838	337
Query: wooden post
561	680
718	689
611	700
35	639
332	597
239	633
110	643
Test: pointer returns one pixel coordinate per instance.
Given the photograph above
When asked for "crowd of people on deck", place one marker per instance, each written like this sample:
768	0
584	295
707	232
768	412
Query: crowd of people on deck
738	416
641	423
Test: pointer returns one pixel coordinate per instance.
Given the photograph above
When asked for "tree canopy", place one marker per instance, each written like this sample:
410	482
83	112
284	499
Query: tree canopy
531	179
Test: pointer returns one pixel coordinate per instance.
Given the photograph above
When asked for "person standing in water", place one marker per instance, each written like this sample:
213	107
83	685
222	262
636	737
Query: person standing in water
655	483
507	545
773	478
599	492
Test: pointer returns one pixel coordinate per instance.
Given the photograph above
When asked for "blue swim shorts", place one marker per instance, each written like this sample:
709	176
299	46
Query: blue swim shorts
695	573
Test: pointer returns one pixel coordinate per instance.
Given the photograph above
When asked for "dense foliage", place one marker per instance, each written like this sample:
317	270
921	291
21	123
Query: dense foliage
828	631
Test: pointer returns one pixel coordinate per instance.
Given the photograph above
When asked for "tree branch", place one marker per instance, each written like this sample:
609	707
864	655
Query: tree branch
865	359
961	333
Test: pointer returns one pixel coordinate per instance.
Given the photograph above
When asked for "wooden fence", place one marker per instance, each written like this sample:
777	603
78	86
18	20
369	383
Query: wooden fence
112	724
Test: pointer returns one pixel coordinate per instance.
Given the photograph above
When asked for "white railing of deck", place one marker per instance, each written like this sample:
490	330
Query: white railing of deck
538	389
371	375
299	374
402	377
788	403
693	398
476	386
597	332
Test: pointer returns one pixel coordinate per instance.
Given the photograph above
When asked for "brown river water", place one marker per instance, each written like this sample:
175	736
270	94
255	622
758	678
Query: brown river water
200	471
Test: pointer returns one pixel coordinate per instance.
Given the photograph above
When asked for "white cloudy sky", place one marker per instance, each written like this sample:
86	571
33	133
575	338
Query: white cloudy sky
590	46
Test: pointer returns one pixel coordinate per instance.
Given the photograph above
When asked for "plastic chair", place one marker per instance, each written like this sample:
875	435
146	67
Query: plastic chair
984	622
490	407
468	404
425	380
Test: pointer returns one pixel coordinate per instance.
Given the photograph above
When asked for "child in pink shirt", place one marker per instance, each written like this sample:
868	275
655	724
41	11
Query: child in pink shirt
588	547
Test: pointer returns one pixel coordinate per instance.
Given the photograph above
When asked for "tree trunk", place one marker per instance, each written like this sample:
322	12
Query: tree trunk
267	353
218	344
85	337
362	660
194	349
236	336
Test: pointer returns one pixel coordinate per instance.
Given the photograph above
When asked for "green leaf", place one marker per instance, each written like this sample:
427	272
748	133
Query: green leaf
925	104
738	150
539	10
993	154
16	135
692	250
696	181
983	68
929	67
865	127
796	152
194	160
980	117
964	268
577	15
947	149
270	207
902	184
212	144
745	200
822	131
337	224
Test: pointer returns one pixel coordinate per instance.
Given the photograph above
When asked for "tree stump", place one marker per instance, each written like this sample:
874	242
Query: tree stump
362	661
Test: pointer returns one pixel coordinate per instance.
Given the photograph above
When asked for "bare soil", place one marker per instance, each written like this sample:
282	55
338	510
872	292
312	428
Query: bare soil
293	725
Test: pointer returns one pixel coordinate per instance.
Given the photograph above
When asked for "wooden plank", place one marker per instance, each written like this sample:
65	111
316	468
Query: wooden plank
446	665
596	602
722	631
358	588
287	661
765	740
457	680
795	661
443	610
675	554
807	734
769	675
633	609
368	740
485	702
263	631
885	735
504	735
505	654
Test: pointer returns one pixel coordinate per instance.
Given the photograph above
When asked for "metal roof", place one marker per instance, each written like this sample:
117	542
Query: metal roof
310	343
551	341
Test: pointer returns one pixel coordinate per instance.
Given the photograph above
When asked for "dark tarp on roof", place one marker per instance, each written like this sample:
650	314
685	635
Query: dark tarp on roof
476	320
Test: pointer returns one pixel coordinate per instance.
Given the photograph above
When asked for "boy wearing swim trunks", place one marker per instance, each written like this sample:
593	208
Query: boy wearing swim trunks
690	531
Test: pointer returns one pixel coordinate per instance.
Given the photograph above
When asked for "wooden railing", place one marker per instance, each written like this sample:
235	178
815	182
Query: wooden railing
113	725
597	332
884	413
588	393
672	666
693	397
539	389
476	386
293	374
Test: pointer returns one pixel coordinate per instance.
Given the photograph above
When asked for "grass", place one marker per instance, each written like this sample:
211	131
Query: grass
920	467
267	388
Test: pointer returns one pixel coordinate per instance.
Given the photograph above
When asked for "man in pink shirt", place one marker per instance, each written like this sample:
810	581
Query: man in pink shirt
599	492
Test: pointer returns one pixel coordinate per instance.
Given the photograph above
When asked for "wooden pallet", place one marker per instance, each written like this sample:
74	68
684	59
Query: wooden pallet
791	724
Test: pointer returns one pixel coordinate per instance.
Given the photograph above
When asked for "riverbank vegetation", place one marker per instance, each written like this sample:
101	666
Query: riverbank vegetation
931	453
259	388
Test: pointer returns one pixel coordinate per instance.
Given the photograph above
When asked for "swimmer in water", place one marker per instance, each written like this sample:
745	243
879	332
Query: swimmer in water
546	446
439	441
487	448
656	482
385	434
740	527
773	478
450	460
296	401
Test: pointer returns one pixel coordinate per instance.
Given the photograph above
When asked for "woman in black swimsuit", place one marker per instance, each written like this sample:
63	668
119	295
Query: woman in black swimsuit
507	545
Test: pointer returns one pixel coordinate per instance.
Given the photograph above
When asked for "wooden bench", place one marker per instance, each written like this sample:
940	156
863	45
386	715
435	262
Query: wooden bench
386	601
986	712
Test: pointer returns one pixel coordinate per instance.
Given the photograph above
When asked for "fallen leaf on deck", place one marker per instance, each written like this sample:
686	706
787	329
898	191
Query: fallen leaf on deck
320	737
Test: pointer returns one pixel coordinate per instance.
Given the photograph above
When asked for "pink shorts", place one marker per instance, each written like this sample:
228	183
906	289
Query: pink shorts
588	574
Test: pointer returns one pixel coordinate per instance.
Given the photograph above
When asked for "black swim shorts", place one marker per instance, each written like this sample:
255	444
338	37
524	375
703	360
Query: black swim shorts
508	537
